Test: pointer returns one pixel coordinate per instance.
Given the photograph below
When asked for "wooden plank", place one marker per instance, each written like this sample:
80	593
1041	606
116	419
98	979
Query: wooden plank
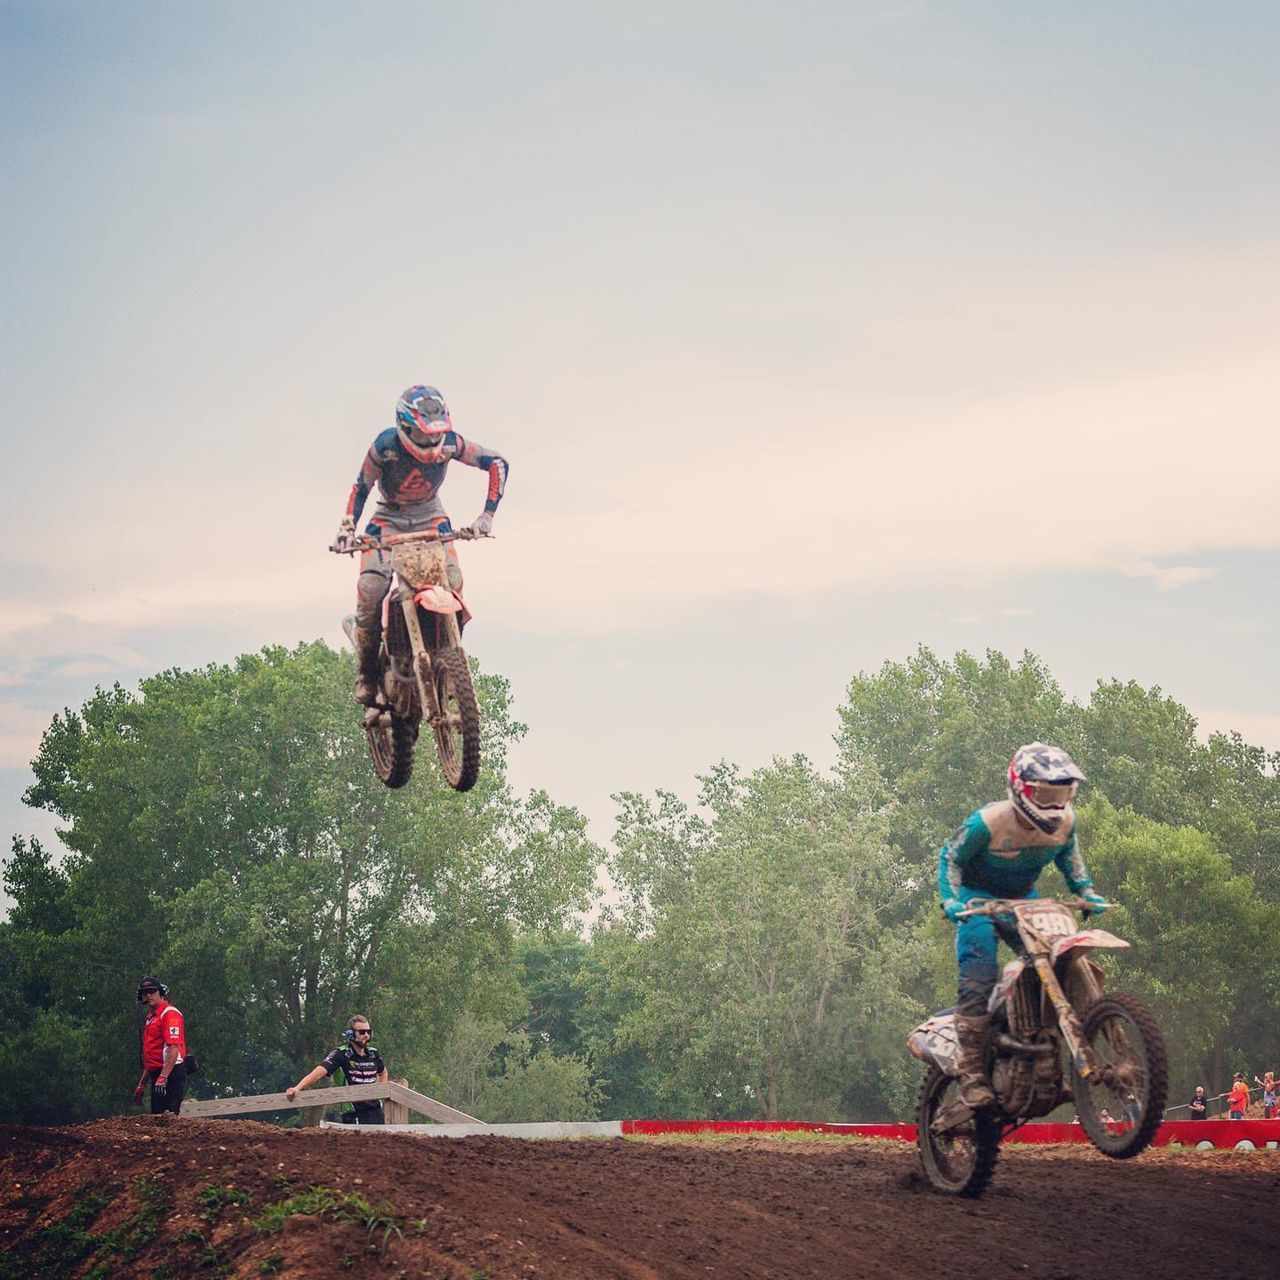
397	1112
310	1117
310	1100
420	1103
307	1099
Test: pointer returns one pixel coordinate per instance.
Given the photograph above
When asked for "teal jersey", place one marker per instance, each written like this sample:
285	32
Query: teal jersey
993	853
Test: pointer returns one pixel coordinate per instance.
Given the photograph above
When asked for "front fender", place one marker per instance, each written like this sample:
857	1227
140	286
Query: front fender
1084	940
439	599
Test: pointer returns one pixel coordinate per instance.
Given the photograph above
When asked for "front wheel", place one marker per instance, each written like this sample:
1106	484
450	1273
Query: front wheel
961	1160
457	731
1122	1103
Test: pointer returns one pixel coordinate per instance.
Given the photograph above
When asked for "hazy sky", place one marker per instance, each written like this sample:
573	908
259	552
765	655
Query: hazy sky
812	331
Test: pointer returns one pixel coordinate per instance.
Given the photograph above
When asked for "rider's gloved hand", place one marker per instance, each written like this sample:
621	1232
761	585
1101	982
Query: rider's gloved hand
137	1093
482	524
1097	903
952	909
345	538
161	1086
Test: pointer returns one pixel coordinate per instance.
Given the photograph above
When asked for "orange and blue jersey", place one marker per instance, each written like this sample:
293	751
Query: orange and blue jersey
408	476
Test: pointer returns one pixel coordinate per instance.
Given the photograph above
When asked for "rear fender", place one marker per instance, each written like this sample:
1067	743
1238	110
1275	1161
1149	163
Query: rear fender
1084	940
934	1042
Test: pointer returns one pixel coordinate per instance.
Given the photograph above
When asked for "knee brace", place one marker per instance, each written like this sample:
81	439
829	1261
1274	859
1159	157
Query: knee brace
371	590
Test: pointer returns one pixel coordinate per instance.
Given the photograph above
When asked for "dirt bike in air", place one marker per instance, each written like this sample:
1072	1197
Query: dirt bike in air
1054	1035
424	673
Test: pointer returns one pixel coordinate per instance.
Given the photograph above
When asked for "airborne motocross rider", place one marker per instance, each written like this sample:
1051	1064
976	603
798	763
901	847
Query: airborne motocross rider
999	852
407	462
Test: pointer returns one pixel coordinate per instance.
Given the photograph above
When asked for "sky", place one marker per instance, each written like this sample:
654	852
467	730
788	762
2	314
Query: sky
812	332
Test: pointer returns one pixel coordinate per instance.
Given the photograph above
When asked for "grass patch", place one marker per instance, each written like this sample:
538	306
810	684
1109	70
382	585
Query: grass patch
61	1248
338	1206
213	1199
780	1136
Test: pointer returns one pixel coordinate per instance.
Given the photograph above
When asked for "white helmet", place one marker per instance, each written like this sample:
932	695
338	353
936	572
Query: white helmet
1043	780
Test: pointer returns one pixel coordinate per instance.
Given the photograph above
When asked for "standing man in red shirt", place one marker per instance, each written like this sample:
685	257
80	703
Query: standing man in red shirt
164	1049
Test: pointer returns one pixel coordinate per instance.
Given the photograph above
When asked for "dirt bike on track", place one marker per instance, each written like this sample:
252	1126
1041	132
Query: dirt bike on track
424	673
1050	1020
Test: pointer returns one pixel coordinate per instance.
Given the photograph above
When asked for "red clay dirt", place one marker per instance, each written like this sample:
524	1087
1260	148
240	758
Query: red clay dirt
489	1207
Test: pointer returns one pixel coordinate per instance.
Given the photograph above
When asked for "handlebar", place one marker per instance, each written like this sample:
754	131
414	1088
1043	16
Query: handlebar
1002	906
363	542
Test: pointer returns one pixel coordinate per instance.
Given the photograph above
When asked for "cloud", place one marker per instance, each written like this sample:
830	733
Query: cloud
1167	577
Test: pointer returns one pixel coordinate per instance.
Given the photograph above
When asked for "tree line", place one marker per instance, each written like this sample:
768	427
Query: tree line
760	953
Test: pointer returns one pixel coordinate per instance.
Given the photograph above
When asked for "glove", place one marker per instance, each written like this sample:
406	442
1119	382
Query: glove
160	1087
482	524
345	539
952	909
1097	903
137	1093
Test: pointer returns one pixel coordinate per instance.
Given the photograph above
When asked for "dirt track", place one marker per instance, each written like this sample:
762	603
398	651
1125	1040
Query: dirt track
500	1207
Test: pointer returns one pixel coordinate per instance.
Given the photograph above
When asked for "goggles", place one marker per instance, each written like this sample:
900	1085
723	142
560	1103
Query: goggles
428	407
1050	795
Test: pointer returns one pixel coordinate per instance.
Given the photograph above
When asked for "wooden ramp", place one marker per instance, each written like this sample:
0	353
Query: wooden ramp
400	1101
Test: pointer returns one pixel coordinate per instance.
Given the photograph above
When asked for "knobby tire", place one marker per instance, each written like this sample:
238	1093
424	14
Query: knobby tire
391	750
969	1182
457	695
1123	1146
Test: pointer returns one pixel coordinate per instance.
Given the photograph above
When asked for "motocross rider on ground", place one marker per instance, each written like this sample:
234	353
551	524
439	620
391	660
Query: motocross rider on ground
999	852
407	462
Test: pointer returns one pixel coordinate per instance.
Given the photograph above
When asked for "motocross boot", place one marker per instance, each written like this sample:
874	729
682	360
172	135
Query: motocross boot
368	667
971	1036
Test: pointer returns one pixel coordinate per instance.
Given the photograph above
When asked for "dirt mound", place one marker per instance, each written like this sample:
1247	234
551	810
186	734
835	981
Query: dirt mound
173	1197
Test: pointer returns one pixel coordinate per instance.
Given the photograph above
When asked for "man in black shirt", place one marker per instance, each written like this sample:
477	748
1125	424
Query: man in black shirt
1198	1106
360	1063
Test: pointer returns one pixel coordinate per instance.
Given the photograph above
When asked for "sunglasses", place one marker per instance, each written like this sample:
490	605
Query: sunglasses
363	1031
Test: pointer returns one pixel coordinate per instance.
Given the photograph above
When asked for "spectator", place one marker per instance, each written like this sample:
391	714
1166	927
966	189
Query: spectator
1268	1083
164	1050
1238	1098
1199	1105
360	1063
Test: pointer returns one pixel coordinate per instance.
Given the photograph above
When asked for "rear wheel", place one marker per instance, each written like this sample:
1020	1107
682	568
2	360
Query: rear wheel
1122	1103
391	748
457	732
961	1160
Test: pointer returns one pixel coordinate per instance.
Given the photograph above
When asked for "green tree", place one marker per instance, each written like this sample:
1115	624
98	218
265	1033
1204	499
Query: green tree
227	831
940	735
537	1086
754	926
1200	934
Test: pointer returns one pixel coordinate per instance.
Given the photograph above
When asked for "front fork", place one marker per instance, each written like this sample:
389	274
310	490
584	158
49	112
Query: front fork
1072	1032
422	671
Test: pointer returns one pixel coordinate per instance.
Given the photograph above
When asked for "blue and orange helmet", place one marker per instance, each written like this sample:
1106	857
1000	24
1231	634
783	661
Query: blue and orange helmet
424	408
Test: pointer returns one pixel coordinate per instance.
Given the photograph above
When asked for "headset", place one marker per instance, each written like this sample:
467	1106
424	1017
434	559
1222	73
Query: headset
150	984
